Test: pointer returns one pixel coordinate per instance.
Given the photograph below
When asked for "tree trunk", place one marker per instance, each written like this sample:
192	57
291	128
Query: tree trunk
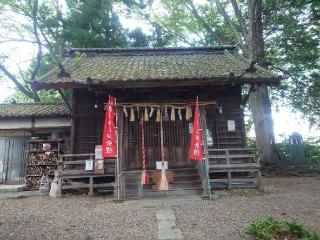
260	105
259	101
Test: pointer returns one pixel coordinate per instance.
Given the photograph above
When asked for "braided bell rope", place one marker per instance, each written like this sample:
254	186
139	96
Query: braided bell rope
143	151
161	141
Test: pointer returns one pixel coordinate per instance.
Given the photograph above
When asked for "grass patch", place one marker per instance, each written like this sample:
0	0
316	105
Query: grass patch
270	228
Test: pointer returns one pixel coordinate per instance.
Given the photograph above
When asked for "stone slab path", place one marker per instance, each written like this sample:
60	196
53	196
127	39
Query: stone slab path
167	228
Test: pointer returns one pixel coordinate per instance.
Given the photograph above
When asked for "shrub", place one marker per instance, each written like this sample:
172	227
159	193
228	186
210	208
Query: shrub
270	228
311	151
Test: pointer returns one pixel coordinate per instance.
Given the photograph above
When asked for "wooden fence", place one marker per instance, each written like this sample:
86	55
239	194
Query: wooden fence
72	173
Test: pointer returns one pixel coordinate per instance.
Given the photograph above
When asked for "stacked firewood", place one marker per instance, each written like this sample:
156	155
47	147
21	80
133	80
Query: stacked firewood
43	158
33	182
43	170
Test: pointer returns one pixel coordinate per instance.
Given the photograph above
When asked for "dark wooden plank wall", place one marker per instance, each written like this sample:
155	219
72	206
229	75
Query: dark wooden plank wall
229	101
88	120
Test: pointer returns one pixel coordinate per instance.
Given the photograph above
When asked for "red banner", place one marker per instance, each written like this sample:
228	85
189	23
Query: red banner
109	142
196	151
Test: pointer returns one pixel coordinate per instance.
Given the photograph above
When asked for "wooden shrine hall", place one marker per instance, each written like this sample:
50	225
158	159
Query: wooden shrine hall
158	87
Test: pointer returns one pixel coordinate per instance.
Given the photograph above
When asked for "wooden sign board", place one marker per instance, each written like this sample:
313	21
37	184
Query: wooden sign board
159	165
231	125
98	152
89	165
99	166
209	138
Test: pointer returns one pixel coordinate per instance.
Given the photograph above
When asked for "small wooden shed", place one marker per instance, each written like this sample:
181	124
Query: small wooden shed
20	121
169	80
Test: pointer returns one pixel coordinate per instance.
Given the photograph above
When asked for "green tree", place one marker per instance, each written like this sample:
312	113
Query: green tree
293	48
51	30
160	37
93	23
267	34
211	23
138	38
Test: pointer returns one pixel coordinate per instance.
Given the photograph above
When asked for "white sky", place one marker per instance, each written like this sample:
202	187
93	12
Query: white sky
285	121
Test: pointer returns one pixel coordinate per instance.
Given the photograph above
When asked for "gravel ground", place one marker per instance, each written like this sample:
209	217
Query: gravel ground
294	198
79	216
74	218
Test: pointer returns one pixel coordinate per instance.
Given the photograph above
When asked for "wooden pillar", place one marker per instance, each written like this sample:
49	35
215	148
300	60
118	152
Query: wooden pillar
229	172
229	180
119	166
90	186
73	123
259	179
59	194
216	128
203	126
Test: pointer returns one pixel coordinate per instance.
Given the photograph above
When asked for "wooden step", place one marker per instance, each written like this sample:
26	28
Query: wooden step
187	185
186	178
86	185
224	185
86	176
177	170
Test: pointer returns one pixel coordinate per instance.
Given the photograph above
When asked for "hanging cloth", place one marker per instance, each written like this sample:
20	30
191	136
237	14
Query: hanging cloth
144	177
163	184
109	143
196	151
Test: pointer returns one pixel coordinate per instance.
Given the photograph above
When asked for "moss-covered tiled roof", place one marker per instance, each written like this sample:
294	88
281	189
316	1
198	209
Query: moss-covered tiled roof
125	66
20	110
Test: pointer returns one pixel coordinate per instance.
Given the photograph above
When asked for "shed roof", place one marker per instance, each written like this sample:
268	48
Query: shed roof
121	67
21	110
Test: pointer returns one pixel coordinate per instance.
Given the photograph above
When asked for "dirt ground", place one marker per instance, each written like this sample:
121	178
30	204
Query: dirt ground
81	217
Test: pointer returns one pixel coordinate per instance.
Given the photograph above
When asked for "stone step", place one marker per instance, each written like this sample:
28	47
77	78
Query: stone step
173	192
12	188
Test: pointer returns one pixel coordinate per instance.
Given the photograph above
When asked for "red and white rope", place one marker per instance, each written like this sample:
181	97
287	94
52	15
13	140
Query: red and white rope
143	151
161	141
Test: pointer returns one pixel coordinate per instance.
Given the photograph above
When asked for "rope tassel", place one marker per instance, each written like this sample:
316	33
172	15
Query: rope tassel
188	113
158	115
146	115
132	118
173	115
163	185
